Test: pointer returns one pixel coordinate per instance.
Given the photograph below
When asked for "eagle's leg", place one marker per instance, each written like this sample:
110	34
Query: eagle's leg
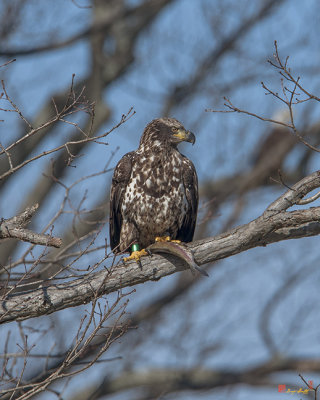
165	239
136	253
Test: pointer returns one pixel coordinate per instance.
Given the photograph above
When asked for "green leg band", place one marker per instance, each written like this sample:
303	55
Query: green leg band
135	247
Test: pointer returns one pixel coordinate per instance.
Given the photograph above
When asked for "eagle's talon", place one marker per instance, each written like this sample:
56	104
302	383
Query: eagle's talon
149	252
136	255
139	263
161	239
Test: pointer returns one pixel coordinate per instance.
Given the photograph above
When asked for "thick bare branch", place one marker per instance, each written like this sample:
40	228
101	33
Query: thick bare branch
14	228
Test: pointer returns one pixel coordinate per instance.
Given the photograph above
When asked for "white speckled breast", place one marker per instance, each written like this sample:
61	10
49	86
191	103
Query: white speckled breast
155	199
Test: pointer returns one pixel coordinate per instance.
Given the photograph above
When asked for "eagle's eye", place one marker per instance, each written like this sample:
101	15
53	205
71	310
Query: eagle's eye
174	129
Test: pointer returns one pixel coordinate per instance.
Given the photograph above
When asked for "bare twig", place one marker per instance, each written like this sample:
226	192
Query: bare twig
65	146
90	326
7	63
289	97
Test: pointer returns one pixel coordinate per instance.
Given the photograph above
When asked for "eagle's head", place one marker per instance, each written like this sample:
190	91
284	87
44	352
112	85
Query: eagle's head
164	132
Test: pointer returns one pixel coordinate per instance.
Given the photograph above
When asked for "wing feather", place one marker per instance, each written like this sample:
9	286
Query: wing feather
120	180
190	182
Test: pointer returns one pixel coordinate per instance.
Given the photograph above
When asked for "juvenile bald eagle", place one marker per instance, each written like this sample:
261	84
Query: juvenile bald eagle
154	190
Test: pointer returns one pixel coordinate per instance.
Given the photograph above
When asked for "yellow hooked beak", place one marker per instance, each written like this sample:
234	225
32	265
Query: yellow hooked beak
185	136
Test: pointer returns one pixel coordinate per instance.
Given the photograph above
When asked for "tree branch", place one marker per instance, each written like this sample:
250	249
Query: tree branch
273	225
14	228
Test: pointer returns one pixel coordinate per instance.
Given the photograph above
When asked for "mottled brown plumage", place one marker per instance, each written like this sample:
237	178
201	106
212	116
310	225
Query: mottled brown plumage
154	189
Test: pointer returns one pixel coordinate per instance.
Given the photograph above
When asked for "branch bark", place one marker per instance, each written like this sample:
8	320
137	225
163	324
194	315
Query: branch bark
273	225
